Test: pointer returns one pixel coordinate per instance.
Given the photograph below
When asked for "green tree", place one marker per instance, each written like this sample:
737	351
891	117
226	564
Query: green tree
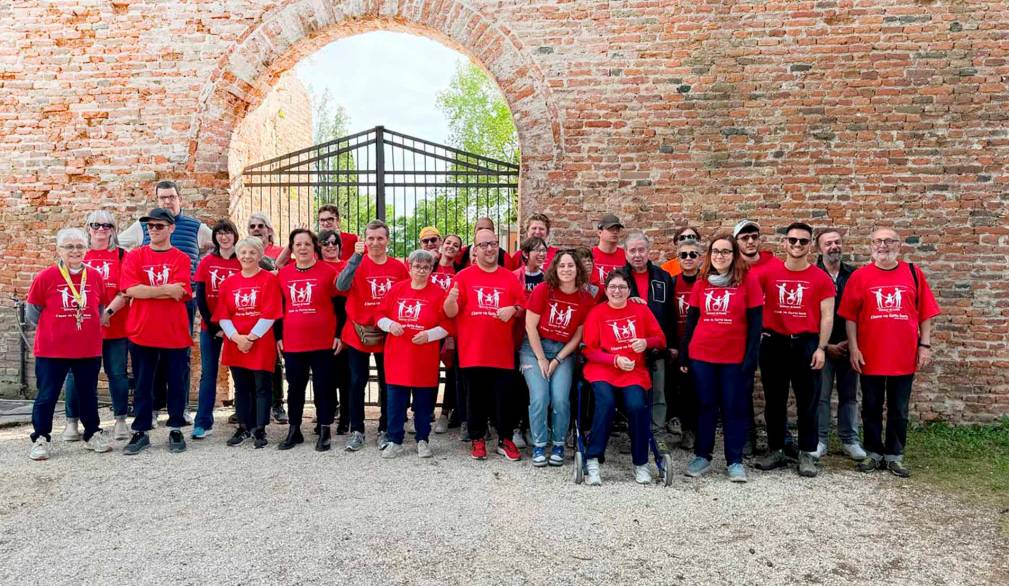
478	116
330	123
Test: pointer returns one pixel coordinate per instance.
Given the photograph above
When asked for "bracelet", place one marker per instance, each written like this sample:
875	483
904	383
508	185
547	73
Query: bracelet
924	345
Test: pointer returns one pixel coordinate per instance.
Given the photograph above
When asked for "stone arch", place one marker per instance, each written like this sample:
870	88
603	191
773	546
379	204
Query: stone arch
297	28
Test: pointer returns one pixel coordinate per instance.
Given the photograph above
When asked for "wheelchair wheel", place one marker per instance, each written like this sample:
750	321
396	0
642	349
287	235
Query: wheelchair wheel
579	473
667	470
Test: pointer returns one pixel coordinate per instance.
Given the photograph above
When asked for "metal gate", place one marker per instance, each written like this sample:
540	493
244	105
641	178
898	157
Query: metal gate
405	181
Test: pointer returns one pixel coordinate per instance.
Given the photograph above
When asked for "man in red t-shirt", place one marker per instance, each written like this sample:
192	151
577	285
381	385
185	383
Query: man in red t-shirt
607	254
798	318
888	307
503	258
537	226
157	279
483	301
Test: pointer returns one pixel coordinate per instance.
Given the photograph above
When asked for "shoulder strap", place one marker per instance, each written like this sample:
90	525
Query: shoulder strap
119	249
914	276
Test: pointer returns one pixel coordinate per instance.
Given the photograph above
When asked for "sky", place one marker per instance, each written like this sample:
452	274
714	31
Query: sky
385	78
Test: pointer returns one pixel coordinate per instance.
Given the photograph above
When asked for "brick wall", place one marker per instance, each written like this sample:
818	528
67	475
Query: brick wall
853	113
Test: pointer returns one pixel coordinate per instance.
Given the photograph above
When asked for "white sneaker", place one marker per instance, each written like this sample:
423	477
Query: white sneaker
854	451
410	427
642	475
592	473
518	439
187	416
391	451
382	441
40	449
154	419
821	450
424	449
441	426
122	430
98	443
70	432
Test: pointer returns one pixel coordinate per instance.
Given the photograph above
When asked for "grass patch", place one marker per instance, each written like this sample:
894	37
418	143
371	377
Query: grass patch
971	461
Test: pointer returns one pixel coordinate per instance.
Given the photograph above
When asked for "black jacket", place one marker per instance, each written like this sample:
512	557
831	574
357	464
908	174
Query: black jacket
661	298
838	334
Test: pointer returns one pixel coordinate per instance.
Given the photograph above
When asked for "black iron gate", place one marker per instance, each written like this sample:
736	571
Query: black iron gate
405	181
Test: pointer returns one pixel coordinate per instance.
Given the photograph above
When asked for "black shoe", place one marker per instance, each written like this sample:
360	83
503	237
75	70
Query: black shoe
870	465
293	438
776	459
791	450
176	441
898	469
240	436
260	439
342	429
279	415
322	444
138	443
233	419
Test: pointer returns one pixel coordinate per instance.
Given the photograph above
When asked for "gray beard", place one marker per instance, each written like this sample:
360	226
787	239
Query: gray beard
832	258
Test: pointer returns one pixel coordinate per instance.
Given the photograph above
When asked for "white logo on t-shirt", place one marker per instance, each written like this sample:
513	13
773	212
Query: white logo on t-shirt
301	295
67	297
102	268
889	299
157	275
624	330
379	286
560	318
790	293
682	304
245	298
408	310
217	276
443	280
716	304
488	297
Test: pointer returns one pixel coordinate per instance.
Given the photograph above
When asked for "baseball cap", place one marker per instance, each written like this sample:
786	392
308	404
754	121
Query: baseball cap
159	214
744	225
608	221
429	231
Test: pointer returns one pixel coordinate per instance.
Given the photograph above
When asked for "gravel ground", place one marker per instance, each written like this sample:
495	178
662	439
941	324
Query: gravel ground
238	515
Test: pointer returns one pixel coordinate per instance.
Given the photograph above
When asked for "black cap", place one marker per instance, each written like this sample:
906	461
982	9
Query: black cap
608	221
160	214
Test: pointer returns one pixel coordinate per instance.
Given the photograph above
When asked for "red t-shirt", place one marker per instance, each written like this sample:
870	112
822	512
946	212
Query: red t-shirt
347	242
212	271
246	300
608	333
888	311
720	335
792	298
337	266
484	340
560	313
272	251
607	262
765	260
408	364
109	265
641	281
683	290
371	284
309	319
158	323
443	276
57	335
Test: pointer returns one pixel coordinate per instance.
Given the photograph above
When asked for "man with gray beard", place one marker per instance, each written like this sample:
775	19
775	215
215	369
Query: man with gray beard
837	366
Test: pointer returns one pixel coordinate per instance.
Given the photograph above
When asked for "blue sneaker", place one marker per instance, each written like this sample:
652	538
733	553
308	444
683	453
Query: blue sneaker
698	466
200	433
539	456
736	473
557	456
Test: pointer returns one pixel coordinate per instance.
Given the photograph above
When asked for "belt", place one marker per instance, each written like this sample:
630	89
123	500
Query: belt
800	336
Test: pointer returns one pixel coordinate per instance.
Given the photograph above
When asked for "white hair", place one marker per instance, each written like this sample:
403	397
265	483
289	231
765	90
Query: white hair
67	234
253	242
635	235
421	256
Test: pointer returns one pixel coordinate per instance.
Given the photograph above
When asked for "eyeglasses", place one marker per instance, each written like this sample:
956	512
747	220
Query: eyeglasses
686	255
749	237
421	267
254	226
800	241
539	250
884	242
490	244
612	287
329	243
721	252
683	237
101	226
326	219
156	227
69	247
433	240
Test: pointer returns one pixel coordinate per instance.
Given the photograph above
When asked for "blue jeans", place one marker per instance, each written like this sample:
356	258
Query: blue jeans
114	362
147	362
636	407
210	361
50	373
358	362
423	408
555	393
162	376
721	386
847	402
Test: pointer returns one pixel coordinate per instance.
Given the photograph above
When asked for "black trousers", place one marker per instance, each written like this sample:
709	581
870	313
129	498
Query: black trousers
297	366
681	397
896	392
252	397
785	361
341	373
490	386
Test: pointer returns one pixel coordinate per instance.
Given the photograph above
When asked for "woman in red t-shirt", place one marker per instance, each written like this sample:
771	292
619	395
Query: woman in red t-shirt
616	335
553	330
309	336
248	305
331	243
105	256
65	304
453	405
720	349
412	316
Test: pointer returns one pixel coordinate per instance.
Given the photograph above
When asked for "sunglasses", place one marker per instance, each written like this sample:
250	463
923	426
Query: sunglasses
101	226
429	240
683	237
749	237
686	255
156	227
330	243
254	226
792	240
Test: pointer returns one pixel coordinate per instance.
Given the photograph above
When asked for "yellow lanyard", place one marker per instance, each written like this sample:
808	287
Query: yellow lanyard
78	295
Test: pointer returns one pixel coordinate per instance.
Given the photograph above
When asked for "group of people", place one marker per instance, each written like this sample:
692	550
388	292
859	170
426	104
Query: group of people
675	347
